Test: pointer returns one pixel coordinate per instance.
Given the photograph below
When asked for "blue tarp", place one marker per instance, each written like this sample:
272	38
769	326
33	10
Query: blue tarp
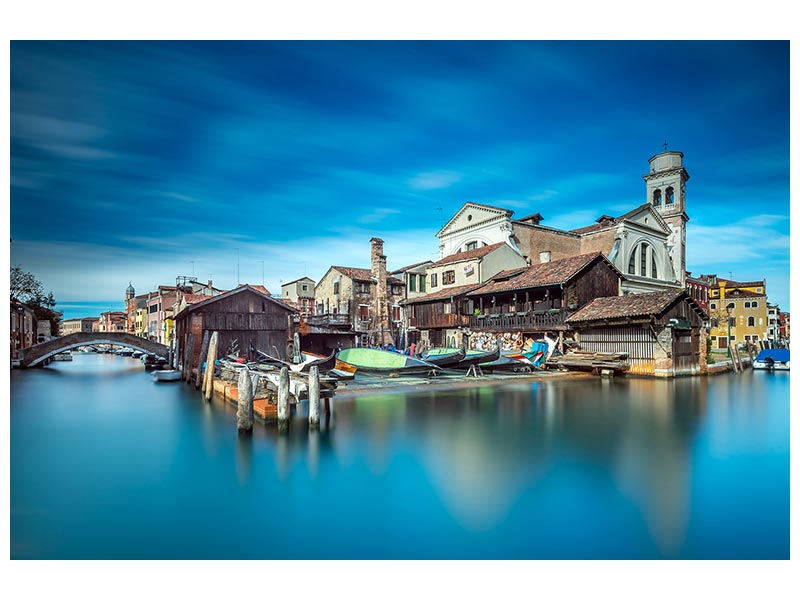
776	354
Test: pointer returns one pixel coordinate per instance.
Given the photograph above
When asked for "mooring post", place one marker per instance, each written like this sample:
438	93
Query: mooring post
298	357
212	357
244	410
283	399
313	398
186	369
203	351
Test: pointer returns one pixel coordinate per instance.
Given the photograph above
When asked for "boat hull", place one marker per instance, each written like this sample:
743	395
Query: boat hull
383	362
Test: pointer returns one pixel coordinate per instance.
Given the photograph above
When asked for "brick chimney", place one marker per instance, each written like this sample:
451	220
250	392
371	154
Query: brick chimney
380	311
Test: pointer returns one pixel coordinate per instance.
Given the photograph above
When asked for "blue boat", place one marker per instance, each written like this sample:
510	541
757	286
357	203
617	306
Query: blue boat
772	359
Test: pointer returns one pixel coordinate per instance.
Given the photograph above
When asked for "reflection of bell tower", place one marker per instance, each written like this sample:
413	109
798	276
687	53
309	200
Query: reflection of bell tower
666	192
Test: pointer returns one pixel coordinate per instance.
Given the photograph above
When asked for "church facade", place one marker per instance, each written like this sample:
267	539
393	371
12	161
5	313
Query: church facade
647	244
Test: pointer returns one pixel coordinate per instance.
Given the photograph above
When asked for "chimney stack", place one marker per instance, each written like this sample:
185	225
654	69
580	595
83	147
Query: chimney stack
380	310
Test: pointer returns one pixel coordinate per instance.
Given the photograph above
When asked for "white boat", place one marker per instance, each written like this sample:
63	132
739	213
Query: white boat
772	359
137	354
66	355
125	351
169	375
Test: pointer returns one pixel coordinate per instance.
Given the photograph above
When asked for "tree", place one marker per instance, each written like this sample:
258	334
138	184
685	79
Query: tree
24	286
27	289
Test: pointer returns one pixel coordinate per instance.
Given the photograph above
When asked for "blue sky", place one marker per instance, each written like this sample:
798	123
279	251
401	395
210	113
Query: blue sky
142	161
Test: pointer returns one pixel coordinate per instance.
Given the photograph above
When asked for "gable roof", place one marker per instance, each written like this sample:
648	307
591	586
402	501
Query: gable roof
730	283
542	274
259	290
467	205
450	292
737	293
469	254
606	221
306	278
409	267
630	306
365	275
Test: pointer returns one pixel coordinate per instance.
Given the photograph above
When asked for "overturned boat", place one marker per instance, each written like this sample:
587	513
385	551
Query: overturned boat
383	362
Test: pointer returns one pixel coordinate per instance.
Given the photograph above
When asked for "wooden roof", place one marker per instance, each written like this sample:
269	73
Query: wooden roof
540	275
242	288
631	306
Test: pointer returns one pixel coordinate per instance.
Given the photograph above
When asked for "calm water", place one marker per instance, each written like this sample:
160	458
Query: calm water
107	464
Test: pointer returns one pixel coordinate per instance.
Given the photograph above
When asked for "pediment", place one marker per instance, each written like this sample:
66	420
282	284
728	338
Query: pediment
646	216
472	215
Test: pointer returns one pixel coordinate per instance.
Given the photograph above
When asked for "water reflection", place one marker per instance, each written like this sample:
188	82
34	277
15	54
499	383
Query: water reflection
484	448
589	468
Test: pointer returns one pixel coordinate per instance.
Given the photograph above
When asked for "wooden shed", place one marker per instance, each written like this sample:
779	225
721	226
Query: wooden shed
242	316
662	332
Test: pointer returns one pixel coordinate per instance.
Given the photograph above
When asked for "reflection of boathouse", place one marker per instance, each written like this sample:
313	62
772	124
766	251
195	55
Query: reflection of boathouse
661	331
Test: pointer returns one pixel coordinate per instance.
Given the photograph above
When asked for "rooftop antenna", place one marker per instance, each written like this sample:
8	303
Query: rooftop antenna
665	145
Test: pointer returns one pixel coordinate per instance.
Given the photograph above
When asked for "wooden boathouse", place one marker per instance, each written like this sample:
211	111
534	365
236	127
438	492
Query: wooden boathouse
242	316
662	332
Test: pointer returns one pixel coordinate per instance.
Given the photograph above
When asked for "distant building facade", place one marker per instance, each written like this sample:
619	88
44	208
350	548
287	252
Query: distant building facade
300	293
82	325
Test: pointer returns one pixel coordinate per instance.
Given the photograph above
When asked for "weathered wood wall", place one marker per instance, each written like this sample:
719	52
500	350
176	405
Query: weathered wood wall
637	340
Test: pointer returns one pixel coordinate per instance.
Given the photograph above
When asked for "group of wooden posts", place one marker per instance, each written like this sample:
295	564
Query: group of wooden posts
247	385
736	357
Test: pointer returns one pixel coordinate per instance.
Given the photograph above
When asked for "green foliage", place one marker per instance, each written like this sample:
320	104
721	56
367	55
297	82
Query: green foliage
27	289
709	358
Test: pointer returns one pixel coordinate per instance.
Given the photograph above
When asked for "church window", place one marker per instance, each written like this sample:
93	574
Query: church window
643	259
670	195
471	246
656	197
632	263
653	269
751	321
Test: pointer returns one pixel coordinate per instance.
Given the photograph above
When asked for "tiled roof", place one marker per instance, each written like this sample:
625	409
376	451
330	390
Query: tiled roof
731	284
632	305
260	288
468	255
737	293
539	275
194	298
364	275
449	292
415	265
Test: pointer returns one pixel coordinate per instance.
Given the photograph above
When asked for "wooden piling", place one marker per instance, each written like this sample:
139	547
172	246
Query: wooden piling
203	351
313	398
186	364
283	399
208	388
244	411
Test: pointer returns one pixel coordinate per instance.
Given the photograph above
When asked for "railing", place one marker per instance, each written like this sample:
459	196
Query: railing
438	321
337	320
538	319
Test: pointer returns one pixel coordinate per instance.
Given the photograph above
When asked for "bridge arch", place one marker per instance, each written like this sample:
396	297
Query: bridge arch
39	352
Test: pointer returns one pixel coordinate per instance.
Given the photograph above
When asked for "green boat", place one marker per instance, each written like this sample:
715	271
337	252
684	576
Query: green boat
372	360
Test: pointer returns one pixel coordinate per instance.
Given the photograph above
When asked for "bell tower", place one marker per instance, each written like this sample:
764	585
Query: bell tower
666	193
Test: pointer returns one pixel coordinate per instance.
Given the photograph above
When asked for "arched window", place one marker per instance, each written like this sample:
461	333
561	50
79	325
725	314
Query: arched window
656	197
751	321
638	261
670	195
643	259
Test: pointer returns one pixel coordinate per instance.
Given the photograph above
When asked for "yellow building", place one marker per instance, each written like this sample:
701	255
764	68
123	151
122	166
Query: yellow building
737	311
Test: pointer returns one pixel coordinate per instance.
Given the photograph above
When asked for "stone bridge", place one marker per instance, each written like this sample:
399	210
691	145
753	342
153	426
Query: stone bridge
35	354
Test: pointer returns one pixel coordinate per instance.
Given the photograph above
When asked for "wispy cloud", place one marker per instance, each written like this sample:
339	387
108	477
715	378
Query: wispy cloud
434	180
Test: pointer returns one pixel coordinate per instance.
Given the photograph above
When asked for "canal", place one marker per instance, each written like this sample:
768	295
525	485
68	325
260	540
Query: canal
105	463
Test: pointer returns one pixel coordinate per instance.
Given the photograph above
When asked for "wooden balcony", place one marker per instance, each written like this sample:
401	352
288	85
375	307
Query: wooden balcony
341	321
537	320
439	321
